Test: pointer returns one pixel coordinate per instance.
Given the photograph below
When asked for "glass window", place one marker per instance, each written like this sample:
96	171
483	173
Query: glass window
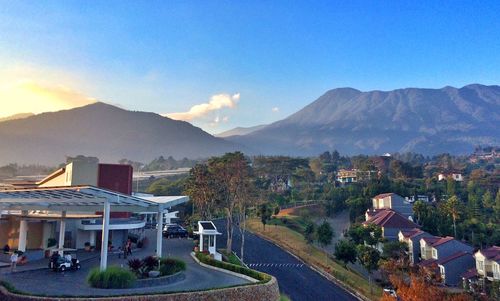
211	240
434	254
480	265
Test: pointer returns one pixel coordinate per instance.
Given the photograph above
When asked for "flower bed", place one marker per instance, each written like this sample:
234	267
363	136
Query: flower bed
167	266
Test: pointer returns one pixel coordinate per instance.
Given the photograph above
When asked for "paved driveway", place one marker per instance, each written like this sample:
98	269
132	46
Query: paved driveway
74	283
295	279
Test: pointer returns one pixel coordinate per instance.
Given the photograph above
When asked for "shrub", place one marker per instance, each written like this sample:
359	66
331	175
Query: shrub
234	268
170	266
112	277
150	263
51	242
135	265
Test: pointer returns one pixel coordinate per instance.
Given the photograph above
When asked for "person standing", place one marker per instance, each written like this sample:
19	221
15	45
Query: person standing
13	261
129	247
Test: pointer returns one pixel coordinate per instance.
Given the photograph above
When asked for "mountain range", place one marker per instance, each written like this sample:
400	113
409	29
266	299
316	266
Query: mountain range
16	116
238	131
107	132
428	121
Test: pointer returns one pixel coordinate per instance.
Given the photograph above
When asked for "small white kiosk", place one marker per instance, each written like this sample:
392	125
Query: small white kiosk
208	232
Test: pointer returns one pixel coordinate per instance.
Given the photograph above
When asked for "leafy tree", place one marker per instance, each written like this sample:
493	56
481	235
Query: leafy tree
496	208
324	234
453	208
265	214
231	177
345	251
200	186
372	234
394	249
356	233
368	257
309	232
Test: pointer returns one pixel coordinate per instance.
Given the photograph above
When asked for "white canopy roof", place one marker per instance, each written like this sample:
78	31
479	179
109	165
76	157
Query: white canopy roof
82	199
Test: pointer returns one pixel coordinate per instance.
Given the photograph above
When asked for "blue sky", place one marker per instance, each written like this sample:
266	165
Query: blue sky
250	62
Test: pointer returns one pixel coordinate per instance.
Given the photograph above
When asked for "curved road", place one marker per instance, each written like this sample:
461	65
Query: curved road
295	279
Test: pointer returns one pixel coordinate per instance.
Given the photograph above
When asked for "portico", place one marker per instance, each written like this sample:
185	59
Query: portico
64	201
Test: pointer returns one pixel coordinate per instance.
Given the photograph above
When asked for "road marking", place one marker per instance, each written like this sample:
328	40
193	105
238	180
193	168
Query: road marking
277	265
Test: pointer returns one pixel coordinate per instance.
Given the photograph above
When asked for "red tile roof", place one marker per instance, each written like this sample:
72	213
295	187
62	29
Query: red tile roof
492	253
390	219
442	240
383	195
412	232
435	241
453	257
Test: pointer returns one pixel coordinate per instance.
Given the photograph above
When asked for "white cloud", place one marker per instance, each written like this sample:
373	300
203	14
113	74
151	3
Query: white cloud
216	102
275	109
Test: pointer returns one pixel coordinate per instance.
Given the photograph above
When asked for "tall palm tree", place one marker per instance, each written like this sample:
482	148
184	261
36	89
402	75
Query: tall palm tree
452	208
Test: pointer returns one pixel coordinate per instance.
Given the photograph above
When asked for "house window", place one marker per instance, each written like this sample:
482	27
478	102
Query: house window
442	271
480	265
434	254
496	271
211	240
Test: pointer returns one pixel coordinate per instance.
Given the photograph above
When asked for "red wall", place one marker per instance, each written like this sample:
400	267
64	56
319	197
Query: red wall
115	177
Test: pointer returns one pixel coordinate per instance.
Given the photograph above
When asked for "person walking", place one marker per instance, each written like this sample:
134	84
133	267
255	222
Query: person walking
129	247
13	261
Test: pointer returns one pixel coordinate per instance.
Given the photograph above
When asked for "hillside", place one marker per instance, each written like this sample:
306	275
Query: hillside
240	131
104	131
16	116
427	121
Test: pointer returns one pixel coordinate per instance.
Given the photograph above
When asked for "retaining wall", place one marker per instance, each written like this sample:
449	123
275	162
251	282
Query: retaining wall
257	292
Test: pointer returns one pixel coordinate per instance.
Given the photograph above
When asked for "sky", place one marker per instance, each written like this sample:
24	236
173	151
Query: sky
222	64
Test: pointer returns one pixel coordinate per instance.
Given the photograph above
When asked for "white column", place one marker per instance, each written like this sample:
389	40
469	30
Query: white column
159	233
105	235
62	232
92	238
23	233
201	242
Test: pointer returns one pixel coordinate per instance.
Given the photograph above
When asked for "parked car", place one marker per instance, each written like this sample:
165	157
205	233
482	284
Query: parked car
174	230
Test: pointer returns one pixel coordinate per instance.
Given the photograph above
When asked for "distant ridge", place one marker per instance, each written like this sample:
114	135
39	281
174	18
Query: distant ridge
107	132
16	116
240	131
427	121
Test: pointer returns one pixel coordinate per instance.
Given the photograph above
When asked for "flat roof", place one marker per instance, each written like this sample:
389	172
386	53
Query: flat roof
81	198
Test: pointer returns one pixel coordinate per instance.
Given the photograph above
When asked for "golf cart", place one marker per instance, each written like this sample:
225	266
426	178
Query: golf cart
61	264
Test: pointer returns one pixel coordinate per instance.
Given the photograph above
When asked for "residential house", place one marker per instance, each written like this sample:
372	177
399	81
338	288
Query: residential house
412	239
457	177
451	267
449	256
488	263
394	202
345	176
487	269
390	221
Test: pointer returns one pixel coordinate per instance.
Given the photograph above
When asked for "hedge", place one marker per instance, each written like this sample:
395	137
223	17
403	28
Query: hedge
112	277
170	266
206	259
